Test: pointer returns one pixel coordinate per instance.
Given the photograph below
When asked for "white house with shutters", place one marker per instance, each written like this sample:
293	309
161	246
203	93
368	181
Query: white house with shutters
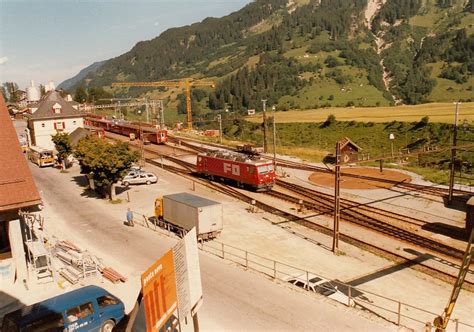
52	115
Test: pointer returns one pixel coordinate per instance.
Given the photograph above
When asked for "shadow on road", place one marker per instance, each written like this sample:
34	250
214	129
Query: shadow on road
121	189
82	181
453	232
421	257
458	203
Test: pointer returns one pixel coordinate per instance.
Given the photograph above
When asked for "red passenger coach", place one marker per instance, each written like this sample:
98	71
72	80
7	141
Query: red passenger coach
150	134
246	171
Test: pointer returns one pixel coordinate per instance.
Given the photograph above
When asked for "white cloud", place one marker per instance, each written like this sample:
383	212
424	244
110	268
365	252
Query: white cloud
3	60
156	23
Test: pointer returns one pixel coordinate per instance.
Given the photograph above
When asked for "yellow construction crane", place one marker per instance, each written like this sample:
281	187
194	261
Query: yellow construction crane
186	84
441	322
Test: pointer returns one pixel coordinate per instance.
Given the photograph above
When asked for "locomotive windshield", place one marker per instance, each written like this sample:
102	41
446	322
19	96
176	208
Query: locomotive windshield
265	169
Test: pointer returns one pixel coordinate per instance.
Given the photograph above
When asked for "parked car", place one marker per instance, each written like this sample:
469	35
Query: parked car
135	170
139	178
90	308
321	286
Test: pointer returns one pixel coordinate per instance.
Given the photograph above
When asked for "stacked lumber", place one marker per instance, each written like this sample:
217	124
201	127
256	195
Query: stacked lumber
113	275
73	264
66	245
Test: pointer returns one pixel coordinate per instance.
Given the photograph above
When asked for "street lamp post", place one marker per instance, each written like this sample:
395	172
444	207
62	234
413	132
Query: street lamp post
391	137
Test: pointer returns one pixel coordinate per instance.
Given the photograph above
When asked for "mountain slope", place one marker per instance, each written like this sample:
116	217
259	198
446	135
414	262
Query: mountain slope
71	82
312	53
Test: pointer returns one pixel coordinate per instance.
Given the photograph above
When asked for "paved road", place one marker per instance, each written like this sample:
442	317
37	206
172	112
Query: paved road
234	299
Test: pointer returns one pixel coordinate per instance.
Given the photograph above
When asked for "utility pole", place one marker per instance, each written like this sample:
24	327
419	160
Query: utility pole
337	205
265	143
146	108
453	154
274	138
140	133
154	117
219	118
162	117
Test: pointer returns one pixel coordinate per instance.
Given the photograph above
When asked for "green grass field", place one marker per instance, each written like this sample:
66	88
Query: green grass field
448	89
357	92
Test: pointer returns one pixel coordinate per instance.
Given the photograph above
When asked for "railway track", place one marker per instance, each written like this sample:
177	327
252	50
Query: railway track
346	204
364	216
238	194
377	225
187	170
429	190
355	213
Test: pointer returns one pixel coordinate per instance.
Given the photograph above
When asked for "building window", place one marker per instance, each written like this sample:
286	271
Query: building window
56	108
42	125
59	126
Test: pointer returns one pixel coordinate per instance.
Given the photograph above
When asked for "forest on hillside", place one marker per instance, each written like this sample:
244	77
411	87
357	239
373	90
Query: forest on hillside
248	53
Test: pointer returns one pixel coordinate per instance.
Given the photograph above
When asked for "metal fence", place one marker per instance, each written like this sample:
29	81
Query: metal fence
398	312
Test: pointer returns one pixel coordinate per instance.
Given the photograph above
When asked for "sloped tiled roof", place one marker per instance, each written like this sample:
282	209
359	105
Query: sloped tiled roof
78	134
345	141
17	188
45	108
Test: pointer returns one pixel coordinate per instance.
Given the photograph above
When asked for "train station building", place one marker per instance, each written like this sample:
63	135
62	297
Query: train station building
18	194
53	114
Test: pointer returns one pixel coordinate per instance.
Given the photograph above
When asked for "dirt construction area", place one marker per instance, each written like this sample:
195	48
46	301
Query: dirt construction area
353	182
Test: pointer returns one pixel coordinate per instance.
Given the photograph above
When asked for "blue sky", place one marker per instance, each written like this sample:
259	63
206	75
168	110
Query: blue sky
44	40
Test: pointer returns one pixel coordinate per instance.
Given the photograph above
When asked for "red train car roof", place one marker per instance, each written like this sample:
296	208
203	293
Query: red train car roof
237	157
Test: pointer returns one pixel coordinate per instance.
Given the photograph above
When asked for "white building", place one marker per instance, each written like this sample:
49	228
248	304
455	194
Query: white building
33	94
53	115
49	87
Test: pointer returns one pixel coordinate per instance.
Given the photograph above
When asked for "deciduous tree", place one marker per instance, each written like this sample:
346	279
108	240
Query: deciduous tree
62	143
108	163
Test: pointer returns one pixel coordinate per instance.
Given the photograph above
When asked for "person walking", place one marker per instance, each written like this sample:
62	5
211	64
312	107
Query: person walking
129	217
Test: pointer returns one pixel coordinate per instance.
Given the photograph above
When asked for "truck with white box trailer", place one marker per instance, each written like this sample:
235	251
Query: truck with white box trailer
183	211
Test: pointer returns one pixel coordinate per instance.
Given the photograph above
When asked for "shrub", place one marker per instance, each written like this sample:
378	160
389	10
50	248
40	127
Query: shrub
331	119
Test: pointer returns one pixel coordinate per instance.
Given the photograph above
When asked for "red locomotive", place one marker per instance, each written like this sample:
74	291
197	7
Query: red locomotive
150	134
246	171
